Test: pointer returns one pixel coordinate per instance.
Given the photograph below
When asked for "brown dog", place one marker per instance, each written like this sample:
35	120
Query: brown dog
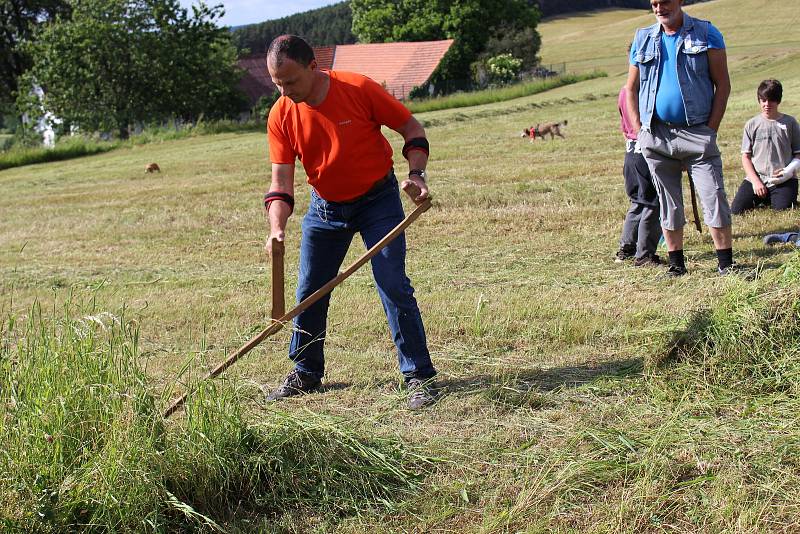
540	130
152	167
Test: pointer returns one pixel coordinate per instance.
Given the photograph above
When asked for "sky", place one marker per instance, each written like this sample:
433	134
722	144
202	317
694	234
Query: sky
239	12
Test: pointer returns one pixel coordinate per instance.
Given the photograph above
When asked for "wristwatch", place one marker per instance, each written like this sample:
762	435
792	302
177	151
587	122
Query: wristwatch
418	172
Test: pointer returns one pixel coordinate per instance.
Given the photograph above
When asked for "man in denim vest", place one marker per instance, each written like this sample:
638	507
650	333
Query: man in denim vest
678	69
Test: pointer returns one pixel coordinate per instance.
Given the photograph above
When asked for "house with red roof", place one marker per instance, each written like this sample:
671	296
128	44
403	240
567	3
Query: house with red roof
399	67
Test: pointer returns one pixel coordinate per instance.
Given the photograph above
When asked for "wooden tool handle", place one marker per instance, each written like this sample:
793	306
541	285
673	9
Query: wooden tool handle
276	259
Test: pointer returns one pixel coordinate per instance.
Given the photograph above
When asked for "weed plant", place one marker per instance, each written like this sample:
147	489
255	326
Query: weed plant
84	445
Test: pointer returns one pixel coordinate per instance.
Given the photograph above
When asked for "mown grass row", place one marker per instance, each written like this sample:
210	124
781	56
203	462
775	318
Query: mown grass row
84	445
501	94
706	439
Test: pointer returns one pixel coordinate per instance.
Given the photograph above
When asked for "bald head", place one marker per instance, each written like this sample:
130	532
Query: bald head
289	47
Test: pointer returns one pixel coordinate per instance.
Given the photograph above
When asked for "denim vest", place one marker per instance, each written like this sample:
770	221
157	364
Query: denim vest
694	80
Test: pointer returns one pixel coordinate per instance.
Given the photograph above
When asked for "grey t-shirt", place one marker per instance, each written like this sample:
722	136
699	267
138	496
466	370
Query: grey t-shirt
772	143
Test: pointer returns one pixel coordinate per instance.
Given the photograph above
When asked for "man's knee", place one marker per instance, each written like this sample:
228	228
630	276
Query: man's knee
783	202
783	206
394	286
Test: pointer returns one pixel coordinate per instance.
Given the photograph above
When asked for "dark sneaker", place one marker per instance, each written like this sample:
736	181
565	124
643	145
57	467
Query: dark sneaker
624	253
295	383
675	271
422	393
651	260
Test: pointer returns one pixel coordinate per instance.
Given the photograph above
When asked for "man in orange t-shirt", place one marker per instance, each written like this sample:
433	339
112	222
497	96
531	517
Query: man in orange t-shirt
331	121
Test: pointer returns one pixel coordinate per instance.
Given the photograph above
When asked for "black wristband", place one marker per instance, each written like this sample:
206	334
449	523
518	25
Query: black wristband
418	143
278	195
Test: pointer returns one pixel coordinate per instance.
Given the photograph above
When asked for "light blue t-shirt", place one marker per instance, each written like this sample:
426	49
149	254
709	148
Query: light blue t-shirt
669	102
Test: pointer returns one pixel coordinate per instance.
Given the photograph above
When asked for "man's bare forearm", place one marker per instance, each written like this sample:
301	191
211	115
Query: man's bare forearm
280	210
718	71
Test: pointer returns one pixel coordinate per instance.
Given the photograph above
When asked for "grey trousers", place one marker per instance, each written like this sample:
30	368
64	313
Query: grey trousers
641	229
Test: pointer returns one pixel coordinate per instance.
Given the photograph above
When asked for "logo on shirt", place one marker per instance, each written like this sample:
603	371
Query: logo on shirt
345	122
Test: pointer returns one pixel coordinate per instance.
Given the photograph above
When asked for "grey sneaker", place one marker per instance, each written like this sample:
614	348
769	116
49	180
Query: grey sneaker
295	383
422	393
735	269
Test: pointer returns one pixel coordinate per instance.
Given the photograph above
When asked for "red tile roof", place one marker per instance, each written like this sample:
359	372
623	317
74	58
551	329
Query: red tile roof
324	56
400	66
255	81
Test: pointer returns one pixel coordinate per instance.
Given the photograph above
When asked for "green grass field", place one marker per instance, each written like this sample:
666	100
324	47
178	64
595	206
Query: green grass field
562	412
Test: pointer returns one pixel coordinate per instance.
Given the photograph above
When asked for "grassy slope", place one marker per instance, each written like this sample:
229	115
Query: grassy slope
512	271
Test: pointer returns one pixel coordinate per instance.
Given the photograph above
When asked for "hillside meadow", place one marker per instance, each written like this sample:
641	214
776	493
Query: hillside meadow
580	395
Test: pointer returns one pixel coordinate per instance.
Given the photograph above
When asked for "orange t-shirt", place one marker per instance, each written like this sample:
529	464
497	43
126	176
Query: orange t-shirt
339	142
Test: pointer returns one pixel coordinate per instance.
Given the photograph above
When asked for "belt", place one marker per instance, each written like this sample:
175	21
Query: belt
673	124
377	186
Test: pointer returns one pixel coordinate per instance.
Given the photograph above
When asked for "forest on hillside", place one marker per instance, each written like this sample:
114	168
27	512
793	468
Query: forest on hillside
332	25
328	25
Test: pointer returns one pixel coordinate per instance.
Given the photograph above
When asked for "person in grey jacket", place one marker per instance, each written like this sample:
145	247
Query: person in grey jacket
678	88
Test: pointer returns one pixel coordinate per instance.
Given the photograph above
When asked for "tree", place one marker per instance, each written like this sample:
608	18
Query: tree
118	62
18	22
471	23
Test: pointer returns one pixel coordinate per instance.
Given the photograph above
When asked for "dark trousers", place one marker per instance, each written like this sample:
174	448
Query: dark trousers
642	229
781	197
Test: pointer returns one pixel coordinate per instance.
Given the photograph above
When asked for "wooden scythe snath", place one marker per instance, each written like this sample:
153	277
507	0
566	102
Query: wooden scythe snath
695	212
277	301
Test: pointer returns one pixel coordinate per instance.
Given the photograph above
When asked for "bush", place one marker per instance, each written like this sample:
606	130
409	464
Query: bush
503	69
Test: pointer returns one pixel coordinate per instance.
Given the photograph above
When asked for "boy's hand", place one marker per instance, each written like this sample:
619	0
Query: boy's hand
778	177
759	188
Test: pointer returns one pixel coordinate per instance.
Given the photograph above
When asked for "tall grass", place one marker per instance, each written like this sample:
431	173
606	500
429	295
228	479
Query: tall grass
71	147
488	96
84	445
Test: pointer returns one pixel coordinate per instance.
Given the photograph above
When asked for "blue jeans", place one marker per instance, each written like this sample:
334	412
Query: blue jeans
328	229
